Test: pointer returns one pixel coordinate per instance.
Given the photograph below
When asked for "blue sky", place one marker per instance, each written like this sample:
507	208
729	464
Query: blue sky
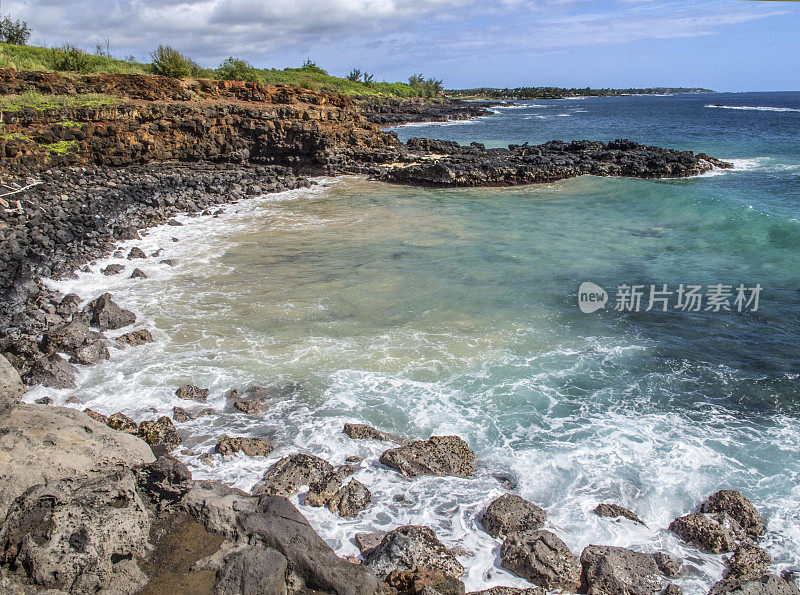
728	45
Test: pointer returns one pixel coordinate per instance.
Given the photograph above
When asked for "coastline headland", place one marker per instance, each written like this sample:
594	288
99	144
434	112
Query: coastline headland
94	501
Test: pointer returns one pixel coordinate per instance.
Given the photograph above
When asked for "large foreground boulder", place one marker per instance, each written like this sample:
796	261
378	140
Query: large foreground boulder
278	525
510	514
41	444
439	455
11	387
409	548
543	559
252	570
79	535
617	570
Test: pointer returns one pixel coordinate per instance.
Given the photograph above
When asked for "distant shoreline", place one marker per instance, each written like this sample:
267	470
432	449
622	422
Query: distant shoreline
523	93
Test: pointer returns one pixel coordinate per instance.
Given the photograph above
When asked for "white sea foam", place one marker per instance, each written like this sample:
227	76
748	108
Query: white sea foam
755	108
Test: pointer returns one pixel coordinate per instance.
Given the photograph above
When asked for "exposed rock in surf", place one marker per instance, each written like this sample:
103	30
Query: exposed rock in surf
107	315
190	392
368	541
52	371
138	274
113	269
716	534
249	407
409	548
439	455
738	507
769	584
160	432
288	475
748	562
510	591
607	569
543	559
345	500
122	423
69	305
179	414
136	253
251	447
424	580
510	514
76	339
445	163
616	511
365	432
135	338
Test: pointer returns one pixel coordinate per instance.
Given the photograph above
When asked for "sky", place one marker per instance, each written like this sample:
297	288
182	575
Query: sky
726	45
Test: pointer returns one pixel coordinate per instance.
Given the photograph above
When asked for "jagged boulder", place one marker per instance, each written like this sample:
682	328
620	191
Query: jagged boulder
607	569
160	432
252	447
439	455
107	315
748	562
510	514
122	423
409	548
135	338
738	507
543	559
52	371
165	481
615	511
365	432
769	584
69	305
79	535
345	500
710	533
289	474
189	392
424	580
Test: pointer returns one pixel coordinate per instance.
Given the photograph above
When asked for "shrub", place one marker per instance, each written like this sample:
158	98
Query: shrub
355	75
69	58
368	79
311	66
14	32
429	87
167	61
232	69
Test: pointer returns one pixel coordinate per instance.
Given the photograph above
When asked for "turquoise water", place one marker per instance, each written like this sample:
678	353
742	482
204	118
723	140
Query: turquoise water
429	311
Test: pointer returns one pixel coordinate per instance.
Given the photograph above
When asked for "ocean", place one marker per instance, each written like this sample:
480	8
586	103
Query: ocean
455	311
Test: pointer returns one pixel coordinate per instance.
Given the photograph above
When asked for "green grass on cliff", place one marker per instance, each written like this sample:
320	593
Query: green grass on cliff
37	101
22	57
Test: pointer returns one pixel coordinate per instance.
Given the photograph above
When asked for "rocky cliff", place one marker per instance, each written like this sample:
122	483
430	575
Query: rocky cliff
141	119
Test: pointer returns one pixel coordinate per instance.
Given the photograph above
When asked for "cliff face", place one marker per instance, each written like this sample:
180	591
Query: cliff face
161	119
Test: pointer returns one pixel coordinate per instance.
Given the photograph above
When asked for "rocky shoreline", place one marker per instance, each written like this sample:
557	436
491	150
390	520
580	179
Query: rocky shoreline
95	503
395	111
